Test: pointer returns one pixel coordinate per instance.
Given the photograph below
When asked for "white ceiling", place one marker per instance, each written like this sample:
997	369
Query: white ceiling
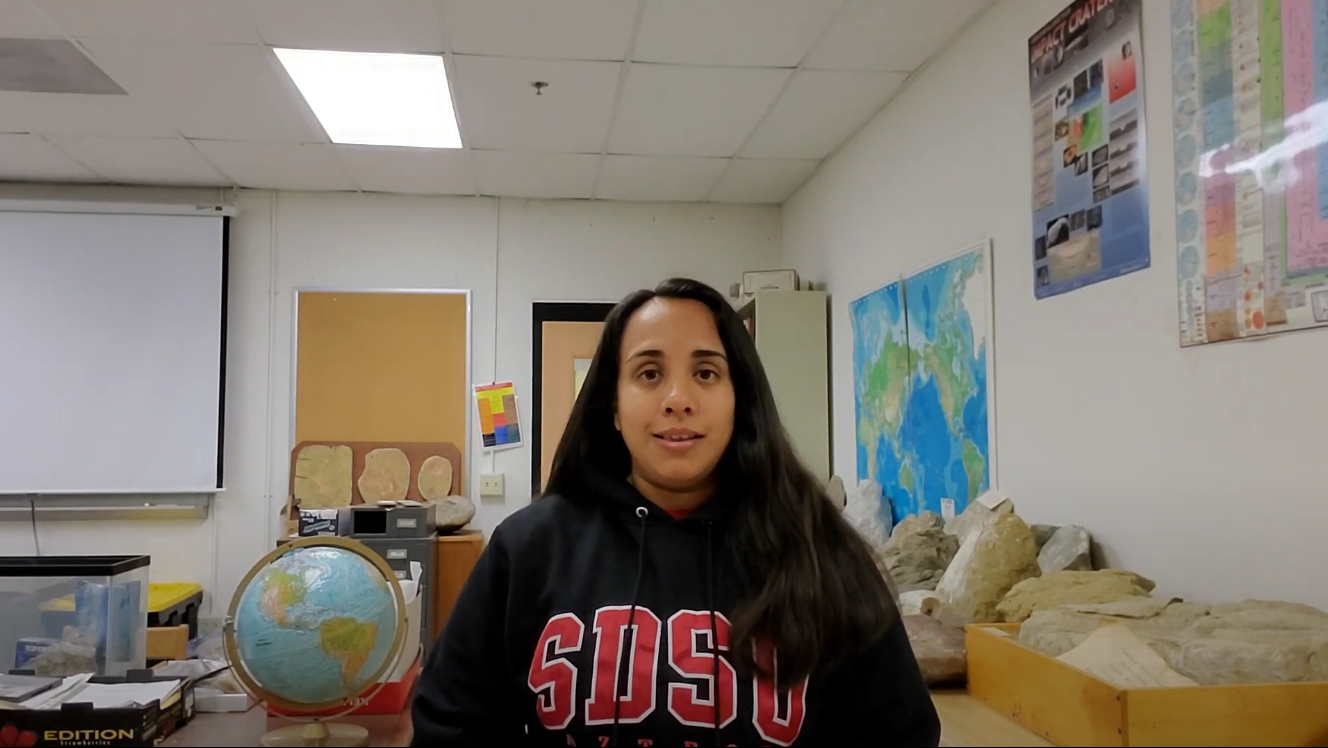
719	100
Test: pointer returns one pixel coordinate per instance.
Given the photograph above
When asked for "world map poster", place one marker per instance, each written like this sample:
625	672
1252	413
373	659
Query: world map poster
922	374
1250	91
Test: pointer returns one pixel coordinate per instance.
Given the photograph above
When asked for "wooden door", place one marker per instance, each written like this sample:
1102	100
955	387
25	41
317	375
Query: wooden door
565	337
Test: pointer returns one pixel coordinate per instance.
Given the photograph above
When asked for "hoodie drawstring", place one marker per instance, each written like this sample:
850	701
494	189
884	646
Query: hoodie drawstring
642	513
715	692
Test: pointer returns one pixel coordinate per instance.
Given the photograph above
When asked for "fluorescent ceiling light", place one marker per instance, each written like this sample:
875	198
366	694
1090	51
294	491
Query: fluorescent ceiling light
376	99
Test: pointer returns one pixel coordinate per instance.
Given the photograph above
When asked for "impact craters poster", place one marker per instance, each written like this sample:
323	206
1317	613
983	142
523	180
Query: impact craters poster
1090	202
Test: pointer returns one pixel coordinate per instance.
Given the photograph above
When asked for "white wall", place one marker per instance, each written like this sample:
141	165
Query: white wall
1200	468
508	253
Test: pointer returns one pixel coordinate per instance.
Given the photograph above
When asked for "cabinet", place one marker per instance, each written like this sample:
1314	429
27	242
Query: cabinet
791	329
456	557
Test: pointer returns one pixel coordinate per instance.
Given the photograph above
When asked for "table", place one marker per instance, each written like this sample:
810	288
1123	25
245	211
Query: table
244	729
965	723
968	723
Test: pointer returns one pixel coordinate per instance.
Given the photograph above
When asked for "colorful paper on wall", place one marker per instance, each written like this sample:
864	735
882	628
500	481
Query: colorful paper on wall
1090	203
499	423
1250	93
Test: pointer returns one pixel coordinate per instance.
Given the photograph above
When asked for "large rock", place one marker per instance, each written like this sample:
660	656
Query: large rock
919	602
1043	533
1070	588
1070	548
453	513
939	649
918	552
992	560
976	517
1254	641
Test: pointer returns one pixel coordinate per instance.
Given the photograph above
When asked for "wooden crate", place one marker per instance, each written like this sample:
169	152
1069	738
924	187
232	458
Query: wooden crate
1072	708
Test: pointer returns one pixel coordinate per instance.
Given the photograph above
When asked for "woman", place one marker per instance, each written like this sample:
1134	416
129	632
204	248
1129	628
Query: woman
677	522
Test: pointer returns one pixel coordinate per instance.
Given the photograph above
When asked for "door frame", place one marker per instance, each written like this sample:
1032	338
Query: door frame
541	312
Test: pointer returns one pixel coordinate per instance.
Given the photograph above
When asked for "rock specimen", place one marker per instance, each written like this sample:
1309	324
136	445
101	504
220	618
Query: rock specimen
918	552
1070	588
1068	549
992	560
939	649
452	513
1043	533
1254	641
835	490
1055	632
919	602
975	517
322	476
435	480
386	475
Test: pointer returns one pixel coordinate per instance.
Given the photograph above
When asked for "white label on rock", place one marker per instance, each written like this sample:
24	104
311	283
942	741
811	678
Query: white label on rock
947	509
992	499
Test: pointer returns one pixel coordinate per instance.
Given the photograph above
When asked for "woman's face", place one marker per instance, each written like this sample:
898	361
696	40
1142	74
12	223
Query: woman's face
675	397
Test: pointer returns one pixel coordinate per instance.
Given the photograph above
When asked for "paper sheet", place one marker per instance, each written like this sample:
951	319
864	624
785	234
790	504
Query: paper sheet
110	696
1118	656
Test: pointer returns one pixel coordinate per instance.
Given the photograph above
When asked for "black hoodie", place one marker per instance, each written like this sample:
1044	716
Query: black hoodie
529	654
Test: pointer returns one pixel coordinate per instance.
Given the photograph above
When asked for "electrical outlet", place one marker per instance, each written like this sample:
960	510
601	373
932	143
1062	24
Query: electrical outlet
491	486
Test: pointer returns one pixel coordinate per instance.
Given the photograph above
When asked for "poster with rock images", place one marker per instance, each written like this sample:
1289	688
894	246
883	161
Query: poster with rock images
1090	199
1250	92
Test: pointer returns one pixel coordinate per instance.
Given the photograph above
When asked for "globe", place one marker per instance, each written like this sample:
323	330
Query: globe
313	625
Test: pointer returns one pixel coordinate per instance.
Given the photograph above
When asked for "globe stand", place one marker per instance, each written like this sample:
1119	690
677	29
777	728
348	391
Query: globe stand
330	734
319	731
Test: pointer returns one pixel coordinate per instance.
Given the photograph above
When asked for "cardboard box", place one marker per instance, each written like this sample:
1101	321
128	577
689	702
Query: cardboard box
80	724
1070	707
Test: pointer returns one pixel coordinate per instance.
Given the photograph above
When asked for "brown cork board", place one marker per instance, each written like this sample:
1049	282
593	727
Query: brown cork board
416	453
386	367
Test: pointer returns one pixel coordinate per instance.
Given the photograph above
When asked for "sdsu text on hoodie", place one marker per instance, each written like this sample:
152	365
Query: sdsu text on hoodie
573	591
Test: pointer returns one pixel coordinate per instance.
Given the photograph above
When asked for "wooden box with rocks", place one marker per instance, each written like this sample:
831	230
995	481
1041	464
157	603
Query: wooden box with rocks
1145	671
1088	657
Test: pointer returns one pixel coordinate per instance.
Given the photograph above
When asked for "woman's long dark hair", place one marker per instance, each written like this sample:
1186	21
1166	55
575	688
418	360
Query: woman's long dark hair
811	587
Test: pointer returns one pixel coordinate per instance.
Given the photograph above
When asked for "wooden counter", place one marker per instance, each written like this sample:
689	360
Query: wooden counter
968	723
247	729
965	723
457	554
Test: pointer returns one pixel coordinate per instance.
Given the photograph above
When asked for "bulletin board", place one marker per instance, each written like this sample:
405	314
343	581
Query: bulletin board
383	366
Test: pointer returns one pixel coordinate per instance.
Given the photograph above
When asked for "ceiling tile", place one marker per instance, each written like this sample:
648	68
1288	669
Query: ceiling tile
209	21
51	66
420	171
562	30
648	178
668	110
60	114
896	35
499	109
211	91
28	157
142	160
349	25
536	175
762	180
757	33
278	166
818	111
19	20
